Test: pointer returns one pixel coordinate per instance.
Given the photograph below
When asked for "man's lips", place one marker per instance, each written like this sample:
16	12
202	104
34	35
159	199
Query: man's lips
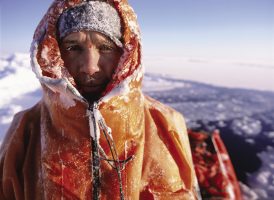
92	88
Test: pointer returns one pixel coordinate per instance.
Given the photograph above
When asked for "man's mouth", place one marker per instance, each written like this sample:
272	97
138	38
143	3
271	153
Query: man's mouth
91	92
91	88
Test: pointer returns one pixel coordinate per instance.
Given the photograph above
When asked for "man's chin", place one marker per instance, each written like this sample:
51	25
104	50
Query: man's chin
92	93
92	96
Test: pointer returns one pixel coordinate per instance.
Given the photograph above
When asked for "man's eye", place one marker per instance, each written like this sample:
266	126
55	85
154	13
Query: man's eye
74	48
106	48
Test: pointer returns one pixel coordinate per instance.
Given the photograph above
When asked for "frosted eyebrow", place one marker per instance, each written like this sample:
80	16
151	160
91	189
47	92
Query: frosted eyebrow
104	40
108	41
101	40
69	41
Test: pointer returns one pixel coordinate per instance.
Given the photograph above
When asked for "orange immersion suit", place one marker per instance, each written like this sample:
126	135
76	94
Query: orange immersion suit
47	152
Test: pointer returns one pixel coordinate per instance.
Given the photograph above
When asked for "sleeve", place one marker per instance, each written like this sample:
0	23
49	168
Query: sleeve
168	170
11	161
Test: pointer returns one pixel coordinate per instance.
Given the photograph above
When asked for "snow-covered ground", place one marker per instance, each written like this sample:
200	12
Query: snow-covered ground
245	118
19	87
239	73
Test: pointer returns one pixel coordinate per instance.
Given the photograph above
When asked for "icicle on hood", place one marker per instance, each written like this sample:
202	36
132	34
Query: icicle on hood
49	67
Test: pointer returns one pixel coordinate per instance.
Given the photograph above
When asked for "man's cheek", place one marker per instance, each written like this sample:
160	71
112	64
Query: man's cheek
73	70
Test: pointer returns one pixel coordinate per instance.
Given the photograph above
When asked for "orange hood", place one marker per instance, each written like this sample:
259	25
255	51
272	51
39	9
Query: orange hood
49	67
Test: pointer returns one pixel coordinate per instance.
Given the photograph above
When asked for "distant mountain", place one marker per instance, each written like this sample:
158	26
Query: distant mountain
245	118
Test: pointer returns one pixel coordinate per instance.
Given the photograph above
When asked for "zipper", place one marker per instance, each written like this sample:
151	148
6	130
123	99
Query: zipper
94	132
97	122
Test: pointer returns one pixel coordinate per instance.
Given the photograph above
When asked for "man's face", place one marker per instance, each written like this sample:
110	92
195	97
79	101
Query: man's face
91	59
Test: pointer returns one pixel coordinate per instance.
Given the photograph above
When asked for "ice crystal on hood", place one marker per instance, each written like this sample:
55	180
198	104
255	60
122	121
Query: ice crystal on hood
133	27
34	63
44	54
66	100
123	88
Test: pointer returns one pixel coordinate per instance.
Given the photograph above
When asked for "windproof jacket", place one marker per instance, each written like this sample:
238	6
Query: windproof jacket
125	146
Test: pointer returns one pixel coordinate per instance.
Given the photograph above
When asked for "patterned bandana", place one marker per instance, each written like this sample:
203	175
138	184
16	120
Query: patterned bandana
92	16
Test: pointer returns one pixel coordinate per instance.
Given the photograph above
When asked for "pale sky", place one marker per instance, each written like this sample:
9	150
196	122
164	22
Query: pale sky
199	31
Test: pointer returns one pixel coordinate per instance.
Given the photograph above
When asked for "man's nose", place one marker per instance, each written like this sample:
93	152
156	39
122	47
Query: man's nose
90	61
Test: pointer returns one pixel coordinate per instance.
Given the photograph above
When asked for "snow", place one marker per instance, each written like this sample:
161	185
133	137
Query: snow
123	87
44	54
66	100
270	135
156	83
246	126
16	77
19	87
6	119
248	114
228	73
262	181
263	177
248	193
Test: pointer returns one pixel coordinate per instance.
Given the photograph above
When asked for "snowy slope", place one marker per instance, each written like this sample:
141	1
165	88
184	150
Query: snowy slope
18	85
245	117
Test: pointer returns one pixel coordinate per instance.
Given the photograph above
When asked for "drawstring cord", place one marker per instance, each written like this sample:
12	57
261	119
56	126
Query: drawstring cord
117	164
94	131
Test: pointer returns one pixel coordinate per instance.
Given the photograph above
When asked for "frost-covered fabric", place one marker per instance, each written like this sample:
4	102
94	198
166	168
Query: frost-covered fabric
46	153
92	16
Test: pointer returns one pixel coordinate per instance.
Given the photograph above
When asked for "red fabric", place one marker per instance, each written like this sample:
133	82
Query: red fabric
214	170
